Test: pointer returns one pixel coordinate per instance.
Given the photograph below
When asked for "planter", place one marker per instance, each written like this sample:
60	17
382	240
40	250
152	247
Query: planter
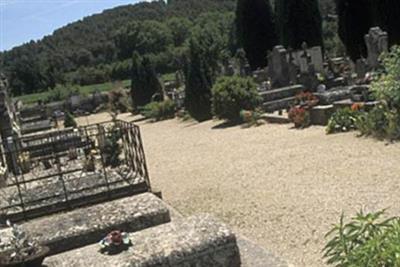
34	260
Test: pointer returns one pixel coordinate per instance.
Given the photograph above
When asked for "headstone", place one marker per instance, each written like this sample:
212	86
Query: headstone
361	68
278	67
377	43
316	58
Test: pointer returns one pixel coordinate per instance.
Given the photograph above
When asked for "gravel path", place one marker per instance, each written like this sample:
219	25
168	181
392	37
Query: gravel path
280	187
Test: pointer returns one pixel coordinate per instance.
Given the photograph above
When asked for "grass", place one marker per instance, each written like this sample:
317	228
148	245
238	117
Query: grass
86	89
83	90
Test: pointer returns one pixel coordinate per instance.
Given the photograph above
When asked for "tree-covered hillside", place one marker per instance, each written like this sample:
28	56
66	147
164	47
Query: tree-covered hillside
98	48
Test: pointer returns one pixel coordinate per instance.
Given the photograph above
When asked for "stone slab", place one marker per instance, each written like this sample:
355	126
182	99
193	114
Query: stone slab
320	115
280	104
200	241
88	225
281	93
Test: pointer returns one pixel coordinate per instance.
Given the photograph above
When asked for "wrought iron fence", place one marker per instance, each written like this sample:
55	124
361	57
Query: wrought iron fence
64	169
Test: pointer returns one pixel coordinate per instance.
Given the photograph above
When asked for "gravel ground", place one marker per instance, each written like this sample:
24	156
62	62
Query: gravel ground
280	187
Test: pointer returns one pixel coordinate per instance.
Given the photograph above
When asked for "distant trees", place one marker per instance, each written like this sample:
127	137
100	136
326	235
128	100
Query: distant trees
299	21
144	81
255	30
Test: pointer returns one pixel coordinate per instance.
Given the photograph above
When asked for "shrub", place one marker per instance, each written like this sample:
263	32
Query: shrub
251	118
69	121
300	117
60	93
159	110
367	240
343	120
118	101
230	95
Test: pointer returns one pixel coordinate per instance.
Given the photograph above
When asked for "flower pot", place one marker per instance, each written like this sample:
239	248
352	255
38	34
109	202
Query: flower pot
34	260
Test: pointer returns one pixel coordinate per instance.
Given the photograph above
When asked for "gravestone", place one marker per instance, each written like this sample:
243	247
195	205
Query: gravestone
278	67
377	43
316	58
361	68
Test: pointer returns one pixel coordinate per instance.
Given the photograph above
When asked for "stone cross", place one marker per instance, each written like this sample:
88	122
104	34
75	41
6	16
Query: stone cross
377	43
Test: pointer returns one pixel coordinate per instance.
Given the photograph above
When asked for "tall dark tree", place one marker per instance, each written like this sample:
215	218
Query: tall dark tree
205	51
299	21
255	30
355	20
386	15
144	81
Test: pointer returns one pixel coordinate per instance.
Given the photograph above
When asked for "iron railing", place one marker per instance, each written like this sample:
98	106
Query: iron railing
64	169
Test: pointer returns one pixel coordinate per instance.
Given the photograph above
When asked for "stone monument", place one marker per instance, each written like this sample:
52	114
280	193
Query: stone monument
377	43
278	67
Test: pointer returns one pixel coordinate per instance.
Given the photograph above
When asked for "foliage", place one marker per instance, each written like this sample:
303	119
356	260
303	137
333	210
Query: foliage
206	48
343	120
111	149
251	117
19	244
145	82
89	50
118	100
299	116
159	110
367	240
69	121
231	95
255	30
298	22
60	93
383	121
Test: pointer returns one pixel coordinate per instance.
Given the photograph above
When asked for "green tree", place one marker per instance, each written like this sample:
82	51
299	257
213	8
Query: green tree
386	15
299	21
145	82
255	30
206	46
69	121
355	20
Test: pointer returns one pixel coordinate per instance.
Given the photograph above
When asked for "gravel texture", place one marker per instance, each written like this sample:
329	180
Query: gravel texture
280	187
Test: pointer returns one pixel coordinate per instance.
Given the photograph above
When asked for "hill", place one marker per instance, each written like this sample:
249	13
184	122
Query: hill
98	48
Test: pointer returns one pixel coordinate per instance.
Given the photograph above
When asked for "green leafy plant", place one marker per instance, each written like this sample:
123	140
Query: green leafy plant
69	121
368	240
231	95
112	149
343	120
158	111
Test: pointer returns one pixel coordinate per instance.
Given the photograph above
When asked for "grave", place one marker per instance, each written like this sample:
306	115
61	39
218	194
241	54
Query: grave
87	225
195	241
377	42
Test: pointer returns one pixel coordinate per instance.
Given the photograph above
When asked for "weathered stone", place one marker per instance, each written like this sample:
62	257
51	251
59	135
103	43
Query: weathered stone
199	241
320	115
281	93
336	94
84	226
279	104
278	67
377	43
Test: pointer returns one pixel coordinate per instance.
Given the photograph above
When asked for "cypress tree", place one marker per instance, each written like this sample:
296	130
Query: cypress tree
255	30
205	51
144	83
386	15
355	20
299	21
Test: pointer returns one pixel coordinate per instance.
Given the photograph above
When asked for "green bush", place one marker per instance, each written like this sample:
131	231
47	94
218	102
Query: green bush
230	95
343	120
69	121
159	110
383	121
368	240
61	92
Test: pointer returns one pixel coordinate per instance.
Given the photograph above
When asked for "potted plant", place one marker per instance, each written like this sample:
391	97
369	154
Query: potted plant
115	242
18	250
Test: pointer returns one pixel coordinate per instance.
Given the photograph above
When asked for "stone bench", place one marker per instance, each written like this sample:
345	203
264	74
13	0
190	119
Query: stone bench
88	225
199	241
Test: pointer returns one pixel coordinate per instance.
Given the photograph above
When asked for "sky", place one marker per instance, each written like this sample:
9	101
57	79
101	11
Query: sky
25	20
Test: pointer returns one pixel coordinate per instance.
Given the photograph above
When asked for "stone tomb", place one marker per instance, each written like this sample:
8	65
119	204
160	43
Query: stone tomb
195	241
80	227
377	43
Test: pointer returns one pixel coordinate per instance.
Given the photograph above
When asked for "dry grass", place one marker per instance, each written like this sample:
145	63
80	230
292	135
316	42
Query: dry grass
283	188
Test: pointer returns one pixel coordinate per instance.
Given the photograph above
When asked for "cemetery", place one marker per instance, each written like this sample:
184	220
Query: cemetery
234	133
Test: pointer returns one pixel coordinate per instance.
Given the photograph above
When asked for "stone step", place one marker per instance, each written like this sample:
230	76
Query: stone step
272	106
199	241
84	226
281	93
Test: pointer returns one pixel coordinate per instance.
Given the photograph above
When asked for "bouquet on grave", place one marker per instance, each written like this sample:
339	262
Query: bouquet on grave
115	242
